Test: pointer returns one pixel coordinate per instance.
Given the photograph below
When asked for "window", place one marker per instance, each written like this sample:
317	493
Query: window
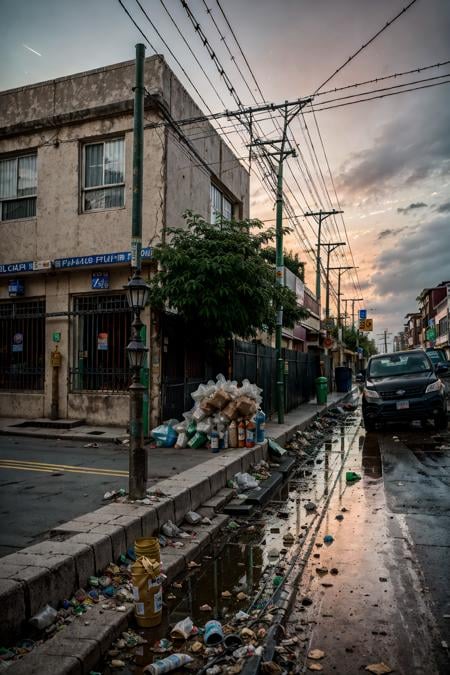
18	187
221	207
104	171
101	331
22	341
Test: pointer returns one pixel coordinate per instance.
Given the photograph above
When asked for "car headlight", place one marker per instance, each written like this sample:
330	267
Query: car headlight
371	393
435	386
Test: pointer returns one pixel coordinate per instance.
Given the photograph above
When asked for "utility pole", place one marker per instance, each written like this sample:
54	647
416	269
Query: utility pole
321	215
331	246
340	271
384	335
281	150
137	295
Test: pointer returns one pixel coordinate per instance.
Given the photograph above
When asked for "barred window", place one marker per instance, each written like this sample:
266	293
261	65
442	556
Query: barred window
22	340
18	187
101	330
104	175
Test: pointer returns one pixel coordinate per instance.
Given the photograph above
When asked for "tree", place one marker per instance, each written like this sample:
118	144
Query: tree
291	261
218	281
349	339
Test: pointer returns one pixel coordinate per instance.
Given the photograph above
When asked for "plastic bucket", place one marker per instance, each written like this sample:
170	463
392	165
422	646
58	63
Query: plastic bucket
213	633
147	593
148	547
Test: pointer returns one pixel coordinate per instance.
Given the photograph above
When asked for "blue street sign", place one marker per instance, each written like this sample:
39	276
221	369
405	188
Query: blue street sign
363	313
100	280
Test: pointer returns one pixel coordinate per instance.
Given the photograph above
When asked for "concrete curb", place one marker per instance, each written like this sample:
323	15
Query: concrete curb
52	570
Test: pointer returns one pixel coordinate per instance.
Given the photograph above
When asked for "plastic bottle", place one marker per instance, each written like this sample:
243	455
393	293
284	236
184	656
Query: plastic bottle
214	441
44	618
250	434
241	434
232	435
260	421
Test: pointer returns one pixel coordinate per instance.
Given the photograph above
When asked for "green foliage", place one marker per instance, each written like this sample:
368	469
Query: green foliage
216	279
291	261
349	339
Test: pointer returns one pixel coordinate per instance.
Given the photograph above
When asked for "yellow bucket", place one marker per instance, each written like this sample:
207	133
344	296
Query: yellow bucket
147	593
147	547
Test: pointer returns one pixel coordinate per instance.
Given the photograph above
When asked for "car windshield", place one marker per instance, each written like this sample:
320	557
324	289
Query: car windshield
398	364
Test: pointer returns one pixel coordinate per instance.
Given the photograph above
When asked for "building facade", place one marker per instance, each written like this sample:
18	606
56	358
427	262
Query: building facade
65	219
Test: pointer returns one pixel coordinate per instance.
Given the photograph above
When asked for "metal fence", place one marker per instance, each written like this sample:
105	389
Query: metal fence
101	329
301	370
22	340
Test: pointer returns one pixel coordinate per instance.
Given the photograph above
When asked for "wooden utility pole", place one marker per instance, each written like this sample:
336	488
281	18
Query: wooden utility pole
321	215
281	150
385	336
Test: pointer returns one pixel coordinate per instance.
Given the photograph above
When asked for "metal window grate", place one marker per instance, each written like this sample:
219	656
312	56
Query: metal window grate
22	341
101	328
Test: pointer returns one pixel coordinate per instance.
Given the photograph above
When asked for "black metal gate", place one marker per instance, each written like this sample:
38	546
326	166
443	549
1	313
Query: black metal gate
257	363
101	328
22	341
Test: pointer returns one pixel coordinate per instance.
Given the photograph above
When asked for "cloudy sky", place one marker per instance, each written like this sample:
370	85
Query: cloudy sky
389	158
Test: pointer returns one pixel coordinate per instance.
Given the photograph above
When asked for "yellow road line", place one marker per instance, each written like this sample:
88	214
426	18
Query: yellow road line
53	469
57	467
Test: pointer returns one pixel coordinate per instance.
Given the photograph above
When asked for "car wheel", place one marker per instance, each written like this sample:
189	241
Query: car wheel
369	425
441	421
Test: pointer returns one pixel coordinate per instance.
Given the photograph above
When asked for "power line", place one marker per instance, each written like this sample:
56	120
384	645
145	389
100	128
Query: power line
366	44
374	98
380	79
136	25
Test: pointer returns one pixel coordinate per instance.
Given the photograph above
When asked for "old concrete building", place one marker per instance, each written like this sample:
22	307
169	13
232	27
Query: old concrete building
65	219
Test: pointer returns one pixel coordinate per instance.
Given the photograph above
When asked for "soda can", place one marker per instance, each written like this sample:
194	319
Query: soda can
213	633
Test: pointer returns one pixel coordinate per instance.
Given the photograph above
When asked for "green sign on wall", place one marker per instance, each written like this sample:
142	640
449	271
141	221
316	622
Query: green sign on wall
56	336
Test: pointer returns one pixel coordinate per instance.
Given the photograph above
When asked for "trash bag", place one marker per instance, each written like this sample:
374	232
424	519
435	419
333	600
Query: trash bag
165	435
244	481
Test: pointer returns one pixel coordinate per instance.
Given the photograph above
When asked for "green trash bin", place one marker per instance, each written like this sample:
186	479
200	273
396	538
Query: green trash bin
321	390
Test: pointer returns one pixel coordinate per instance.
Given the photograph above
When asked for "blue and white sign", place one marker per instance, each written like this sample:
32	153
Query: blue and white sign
363	313
13	268
100	280
99	259
75	261
15	288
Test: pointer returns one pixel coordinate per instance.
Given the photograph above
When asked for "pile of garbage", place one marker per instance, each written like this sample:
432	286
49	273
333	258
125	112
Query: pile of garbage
224	415
306	443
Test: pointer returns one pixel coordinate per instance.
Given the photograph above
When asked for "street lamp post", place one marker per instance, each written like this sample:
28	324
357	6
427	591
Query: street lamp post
137	295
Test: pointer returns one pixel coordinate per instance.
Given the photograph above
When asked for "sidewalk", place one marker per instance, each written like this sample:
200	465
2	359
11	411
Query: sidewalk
52	570
16	426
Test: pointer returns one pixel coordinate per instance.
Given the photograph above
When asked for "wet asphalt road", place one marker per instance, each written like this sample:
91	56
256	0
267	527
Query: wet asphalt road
46	482
390	600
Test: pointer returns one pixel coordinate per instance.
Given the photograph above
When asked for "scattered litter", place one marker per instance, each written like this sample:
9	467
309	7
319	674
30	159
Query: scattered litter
328	539
192	518
182	629
205	608
168	664
352	476
316	654
315	666
334	571
383	579
226	594
192	565
378	668
270	668
310	506
91	445
339	516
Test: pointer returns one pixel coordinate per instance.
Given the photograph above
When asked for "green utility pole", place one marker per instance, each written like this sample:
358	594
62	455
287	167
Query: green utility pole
138	160
137	293
281	152
321	215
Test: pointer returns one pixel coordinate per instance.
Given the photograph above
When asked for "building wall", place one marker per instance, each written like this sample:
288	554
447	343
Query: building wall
55	118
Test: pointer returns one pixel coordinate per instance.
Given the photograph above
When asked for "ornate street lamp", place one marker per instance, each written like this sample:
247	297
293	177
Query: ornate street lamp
137	296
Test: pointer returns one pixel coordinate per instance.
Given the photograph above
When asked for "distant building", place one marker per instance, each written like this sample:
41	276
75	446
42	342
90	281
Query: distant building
432	312
413	327
65	219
